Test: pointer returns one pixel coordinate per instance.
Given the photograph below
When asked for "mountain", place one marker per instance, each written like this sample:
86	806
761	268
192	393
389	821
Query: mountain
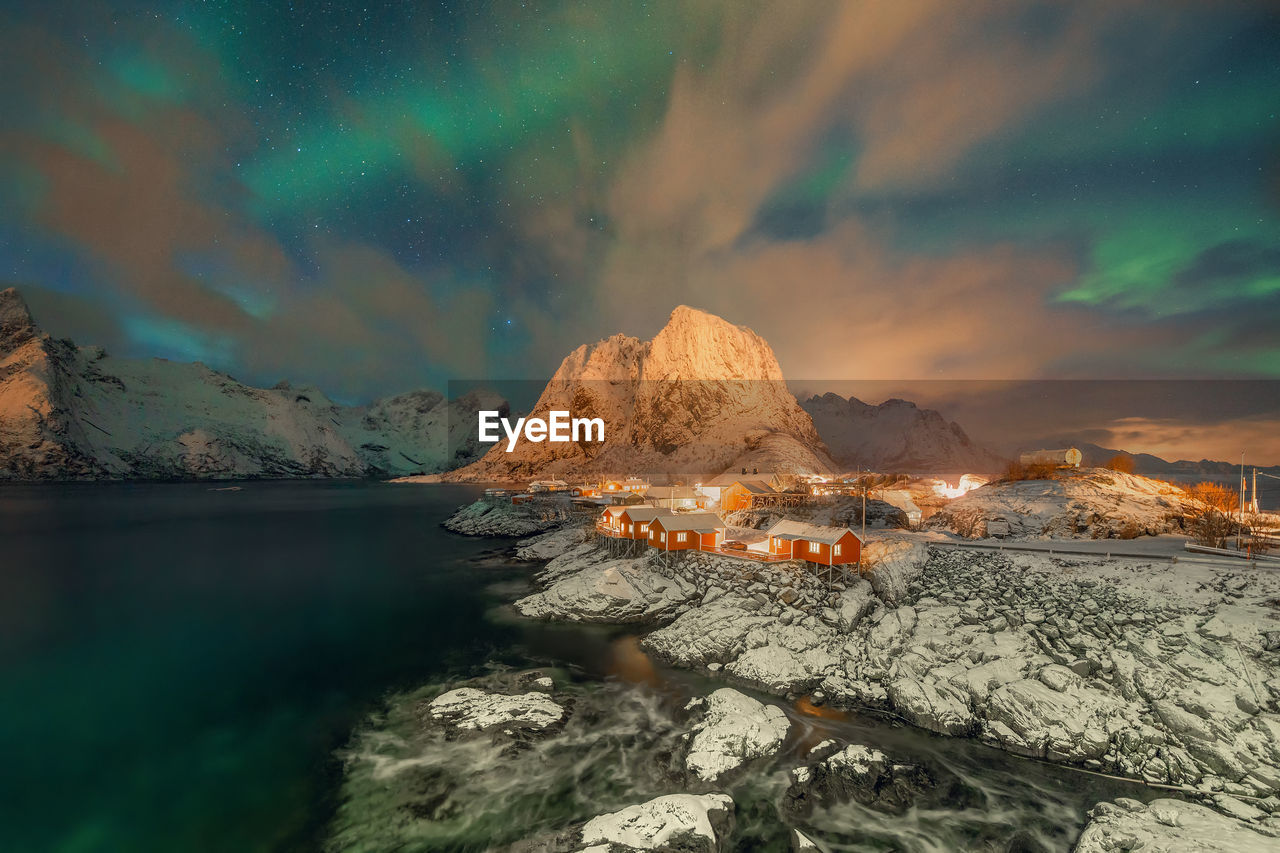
69	412
897	436
702	397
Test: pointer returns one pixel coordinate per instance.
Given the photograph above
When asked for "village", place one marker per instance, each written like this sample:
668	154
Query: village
632	515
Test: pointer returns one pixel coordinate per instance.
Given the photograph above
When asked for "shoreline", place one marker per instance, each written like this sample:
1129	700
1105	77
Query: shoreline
1105	693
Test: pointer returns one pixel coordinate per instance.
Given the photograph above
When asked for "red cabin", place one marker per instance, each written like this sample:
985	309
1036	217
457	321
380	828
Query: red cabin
690	531
634	521
815	543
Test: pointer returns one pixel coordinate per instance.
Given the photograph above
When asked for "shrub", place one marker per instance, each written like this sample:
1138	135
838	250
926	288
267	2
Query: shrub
1121	462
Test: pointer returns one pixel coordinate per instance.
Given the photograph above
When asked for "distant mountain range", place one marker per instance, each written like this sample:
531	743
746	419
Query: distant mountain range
69	412
1182	470
897	436
702	397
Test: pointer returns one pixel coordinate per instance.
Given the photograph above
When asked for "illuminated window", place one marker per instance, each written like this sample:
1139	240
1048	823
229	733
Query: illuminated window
835	549
631	528
644	527
680	537
663	537
814	547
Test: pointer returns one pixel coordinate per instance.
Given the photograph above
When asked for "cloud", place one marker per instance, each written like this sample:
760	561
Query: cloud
908	88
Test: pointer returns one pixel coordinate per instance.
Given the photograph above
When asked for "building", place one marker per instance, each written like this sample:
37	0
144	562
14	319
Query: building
815	543
635	484
584	491
675	497
693	531
625	498
756	494
548	486
629	522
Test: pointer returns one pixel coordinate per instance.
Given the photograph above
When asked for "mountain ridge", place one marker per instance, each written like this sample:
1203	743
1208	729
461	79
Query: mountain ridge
76	413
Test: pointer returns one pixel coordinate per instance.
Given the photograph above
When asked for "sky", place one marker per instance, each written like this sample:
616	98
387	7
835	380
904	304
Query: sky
379	197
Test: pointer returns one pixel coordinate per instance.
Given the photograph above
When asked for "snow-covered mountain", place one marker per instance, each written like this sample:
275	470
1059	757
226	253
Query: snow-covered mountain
69	412
703	396
896	436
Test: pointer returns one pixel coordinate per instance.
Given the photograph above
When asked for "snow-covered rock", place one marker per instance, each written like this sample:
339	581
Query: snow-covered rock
591	589
69	412
1173	825
703	396
734	729
553	543
895	564
470	709
679	823
486	517
859	773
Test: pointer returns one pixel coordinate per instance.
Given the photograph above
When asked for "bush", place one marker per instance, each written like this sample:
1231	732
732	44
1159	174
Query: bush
1016	471
1121	462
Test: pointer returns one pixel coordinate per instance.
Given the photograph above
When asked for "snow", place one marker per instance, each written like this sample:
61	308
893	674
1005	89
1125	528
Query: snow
734	729
662	821
1090	503
1173	825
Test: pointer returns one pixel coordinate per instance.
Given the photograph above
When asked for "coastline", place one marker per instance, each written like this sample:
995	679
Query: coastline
1084	663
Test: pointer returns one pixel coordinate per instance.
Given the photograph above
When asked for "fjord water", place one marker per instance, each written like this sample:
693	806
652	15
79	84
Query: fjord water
180	665
177	663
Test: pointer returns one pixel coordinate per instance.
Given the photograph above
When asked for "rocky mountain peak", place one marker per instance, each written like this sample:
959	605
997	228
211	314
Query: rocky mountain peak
16	325
697	345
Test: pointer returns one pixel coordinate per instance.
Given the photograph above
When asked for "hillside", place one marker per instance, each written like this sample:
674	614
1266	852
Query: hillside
896	436
69	412
1089	503
701	397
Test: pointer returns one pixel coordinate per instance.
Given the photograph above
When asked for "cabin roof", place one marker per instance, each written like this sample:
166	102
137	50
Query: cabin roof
645	513
787	529
756	487
699	522
670	492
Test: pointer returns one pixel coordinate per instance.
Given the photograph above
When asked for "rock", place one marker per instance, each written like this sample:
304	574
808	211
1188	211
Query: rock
551	544
932	705
469	709
858	773
855	602
679	823
895	565
503	518
1170	825
591	588
801	843
734	729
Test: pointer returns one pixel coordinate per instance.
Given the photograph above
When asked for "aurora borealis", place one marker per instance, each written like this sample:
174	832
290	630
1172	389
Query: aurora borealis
379	197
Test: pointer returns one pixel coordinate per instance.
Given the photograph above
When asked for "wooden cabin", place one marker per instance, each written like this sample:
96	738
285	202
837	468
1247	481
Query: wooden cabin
815	543
584	492
745	494
691	531
673	497
634	521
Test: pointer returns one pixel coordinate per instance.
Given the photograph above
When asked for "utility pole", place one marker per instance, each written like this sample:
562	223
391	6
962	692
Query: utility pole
1253	501
1241	525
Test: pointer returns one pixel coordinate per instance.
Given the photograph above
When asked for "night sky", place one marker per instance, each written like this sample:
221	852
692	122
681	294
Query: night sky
377	197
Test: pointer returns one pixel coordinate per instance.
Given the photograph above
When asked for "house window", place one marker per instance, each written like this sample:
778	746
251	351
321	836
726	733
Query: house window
680	537
814	547
631	528
835	550
644	527
663	537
